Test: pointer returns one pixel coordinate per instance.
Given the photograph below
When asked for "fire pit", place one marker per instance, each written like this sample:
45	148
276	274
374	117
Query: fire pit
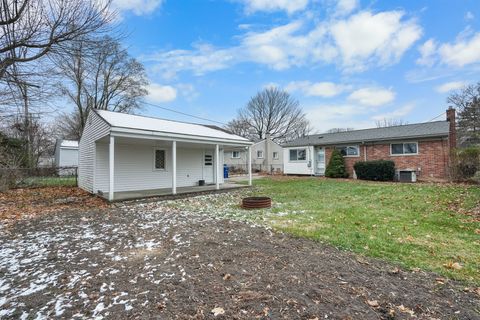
256	202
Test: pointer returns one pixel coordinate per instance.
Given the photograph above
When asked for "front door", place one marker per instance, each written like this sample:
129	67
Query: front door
320	162
208	167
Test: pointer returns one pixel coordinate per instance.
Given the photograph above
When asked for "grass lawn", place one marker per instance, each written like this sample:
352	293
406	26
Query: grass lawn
425	226
67	181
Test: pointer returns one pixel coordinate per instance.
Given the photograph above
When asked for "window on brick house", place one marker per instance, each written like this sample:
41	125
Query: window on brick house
404	148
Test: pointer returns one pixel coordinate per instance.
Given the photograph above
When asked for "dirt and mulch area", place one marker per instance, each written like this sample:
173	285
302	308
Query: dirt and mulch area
157	260
17	204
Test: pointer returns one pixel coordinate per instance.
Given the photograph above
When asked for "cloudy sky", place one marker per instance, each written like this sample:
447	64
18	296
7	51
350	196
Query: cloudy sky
348	62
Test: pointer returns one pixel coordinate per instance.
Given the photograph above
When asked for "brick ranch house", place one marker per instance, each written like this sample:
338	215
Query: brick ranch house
420	151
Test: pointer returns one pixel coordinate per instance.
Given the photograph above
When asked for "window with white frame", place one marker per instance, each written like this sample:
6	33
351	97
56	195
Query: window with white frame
159	159
298	154
260	154
235	154
349	151
275	155
404	148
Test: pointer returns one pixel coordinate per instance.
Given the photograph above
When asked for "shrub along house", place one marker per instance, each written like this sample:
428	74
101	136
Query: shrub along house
125	156
418	150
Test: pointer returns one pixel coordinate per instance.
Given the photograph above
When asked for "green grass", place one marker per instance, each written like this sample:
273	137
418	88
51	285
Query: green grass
48	181
414	225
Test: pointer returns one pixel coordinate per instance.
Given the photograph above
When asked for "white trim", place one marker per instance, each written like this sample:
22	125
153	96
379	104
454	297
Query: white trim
154	168
403	154
273	155
249	165
145	134
174	166
233	157
262	154
111	167
350	146
297	161
217	167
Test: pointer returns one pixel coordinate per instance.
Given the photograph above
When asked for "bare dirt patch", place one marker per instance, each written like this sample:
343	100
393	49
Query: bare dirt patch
18	204
147	260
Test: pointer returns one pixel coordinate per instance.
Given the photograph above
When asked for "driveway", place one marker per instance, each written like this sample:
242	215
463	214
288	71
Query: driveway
146	260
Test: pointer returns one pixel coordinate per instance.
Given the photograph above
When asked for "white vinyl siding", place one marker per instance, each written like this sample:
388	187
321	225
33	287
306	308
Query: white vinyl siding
298	167
67	157
95	128
134	168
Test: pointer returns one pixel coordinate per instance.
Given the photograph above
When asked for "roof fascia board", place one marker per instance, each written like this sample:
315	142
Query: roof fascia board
154	135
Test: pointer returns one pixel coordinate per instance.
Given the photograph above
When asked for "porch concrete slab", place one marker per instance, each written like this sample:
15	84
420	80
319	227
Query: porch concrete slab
164	192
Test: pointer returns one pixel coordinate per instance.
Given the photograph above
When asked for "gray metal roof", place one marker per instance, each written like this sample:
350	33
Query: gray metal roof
409	131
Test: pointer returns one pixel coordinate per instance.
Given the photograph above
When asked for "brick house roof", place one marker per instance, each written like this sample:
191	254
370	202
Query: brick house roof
403	132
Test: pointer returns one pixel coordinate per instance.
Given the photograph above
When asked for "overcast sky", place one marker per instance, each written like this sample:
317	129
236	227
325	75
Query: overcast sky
348	62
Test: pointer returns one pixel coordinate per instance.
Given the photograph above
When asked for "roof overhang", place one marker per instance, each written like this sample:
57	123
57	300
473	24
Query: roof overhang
159	135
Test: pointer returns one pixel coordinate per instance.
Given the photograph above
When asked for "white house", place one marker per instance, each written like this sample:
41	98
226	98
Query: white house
267	156
66	156
121	153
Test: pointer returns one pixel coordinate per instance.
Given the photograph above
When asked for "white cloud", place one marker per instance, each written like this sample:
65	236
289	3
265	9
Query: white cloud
138	7
367	38
469	16
316	89
397	113
159	93
373	97
325	117
427	53
355	43
450	86
345	7
462	52
290	6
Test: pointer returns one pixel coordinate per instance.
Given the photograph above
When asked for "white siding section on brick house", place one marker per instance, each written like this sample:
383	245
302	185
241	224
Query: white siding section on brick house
299	167
134	167
95	128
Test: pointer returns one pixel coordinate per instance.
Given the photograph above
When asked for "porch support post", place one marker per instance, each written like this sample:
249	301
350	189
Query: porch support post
249	165
174	167
217	167
111	164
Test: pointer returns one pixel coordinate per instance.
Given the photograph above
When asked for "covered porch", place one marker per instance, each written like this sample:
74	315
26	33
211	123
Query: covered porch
135	165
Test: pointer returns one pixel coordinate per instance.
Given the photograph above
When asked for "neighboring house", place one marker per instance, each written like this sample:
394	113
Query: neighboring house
66	156
267	156
121	153
419	150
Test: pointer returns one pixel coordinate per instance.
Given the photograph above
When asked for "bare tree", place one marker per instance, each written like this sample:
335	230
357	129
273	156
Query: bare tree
31	29
100	75
240	127
385	122
272	111
337	130
467	103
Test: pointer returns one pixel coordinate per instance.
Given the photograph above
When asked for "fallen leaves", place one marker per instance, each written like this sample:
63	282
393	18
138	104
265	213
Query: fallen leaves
217	311
453	265
18	204
373	303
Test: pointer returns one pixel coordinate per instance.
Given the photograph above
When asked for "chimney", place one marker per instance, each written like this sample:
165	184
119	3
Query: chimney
452	132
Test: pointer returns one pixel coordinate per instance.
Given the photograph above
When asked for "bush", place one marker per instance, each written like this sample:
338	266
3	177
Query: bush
465	163
336	166
379	170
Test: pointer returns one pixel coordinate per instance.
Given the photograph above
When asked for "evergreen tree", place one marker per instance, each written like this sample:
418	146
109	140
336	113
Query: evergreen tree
336	166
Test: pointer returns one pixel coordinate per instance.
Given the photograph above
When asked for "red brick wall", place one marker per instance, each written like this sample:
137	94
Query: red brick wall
432	158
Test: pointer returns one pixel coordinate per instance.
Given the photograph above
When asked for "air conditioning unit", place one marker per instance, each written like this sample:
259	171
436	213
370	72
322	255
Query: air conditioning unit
407	176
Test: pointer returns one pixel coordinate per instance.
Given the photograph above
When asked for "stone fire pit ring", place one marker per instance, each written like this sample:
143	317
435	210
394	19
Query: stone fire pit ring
256	202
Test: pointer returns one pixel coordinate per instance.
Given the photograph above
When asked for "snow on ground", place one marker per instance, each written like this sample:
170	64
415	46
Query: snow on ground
55	266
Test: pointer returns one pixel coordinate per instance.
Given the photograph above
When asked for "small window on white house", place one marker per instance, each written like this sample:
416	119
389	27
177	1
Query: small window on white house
260	154
159	159
349	151
298	154
404	148
275	155
235	154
